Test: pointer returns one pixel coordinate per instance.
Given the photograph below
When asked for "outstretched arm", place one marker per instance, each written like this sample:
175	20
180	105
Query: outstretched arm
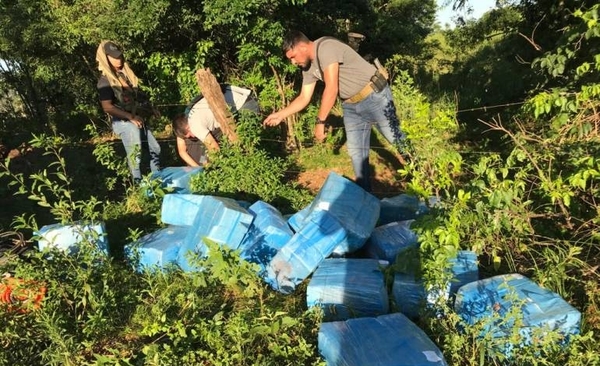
331	78
298	104
211	143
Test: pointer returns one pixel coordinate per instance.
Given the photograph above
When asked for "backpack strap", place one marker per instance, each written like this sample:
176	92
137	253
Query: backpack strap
317	53
199	97
189	106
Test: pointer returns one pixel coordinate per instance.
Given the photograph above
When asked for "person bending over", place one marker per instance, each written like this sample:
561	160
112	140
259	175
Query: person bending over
200	122
363	88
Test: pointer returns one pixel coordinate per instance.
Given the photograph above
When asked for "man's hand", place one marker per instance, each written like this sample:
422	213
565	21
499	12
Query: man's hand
273	119
320	132
137	120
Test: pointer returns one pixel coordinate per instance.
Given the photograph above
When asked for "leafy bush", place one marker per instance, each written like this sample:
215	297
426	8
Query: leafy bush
223	315
434	160
247	172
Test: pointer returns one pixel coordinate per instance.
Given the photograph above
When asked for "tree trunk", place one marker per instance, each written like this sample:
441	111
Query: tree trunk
211	91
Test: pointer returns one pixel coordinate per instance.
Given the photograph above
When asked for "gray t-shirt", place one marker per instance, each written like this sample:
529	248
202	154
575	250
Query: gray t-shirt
202	120
354	71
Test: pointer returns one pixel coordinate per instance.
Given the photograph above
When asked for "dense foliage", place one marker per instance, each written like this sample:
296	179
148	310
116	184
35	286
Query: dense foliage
503	126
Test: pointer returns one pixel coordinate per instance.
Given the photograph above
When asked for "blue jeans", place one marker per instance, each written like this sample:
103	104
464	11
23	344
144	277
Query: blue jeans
377	110
131	136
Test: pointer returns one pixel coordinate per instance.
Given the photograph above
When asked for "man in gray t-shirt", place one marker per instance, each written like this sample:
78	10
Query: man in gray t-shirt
367	98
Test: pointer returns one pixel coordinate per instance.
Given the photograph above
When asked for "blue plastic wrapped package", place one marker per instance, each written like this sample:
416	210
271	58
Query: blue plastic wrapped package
159	248
387	340
403	207
348	288
268	233
244	204
177	177
388	240
464	270
411	295
180	209
301	255
219	219
355	209
492	300
297	220
69	237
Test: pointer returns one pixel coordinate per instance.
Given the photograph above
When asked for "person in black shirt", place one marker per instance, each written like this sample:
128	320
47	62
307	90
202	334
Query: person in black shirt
127	106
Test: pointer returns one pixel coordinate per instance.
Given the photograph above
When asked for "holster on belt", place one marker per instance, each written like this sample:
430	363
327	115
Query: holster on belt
377	83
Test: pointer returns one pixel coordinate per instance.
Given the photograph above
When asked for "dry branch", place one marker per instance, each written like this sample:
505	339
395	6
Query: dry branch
211	91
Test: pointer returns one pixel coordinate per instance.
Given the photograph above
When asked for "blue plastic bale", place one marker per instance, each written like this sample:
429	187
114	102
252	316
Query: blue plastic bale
491	299
268	233
388	340
296	220
403	207
159	248
411	295
180	209
301	255
69	237
388	240
219	219
355	209
244	204
176	177
464	269
348	288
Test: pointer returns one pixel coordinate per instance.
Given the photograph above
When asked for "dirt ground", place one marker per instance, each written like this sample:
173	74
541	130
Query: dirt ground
385	180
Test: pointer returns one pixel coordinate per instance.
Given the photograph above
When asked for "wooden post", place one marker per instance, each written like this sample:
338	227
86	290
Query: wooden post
211	91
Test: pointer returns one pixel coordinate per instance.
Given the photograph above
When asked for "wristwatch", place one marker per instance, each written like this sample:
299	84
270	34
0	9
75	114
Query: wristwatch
320	121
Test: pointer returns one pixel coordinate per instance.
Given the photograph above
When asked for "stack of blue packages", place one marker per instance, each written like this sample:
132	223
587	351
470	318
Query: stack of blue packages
180	209
387	340
69	237
301	255
268	233
490	300
348	288
464	269
176	177
403	207
219	219
158	249
355	209
388	240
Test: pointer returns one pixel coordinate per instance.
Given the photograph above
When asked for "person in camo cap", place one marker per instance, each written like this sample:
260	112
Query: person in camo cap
128	107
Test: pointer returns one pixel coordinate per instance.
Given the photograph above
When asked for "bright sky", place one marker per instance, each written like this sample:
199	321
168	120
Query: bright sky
480	7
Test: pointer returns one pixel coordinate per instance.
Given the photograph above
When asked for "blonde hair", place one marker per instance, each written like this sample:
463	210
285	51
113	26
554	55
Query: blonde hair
106	70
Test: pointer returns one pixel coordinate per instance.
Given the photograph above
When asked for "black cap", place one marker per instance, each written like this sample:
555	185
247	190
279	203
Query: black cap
112	50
